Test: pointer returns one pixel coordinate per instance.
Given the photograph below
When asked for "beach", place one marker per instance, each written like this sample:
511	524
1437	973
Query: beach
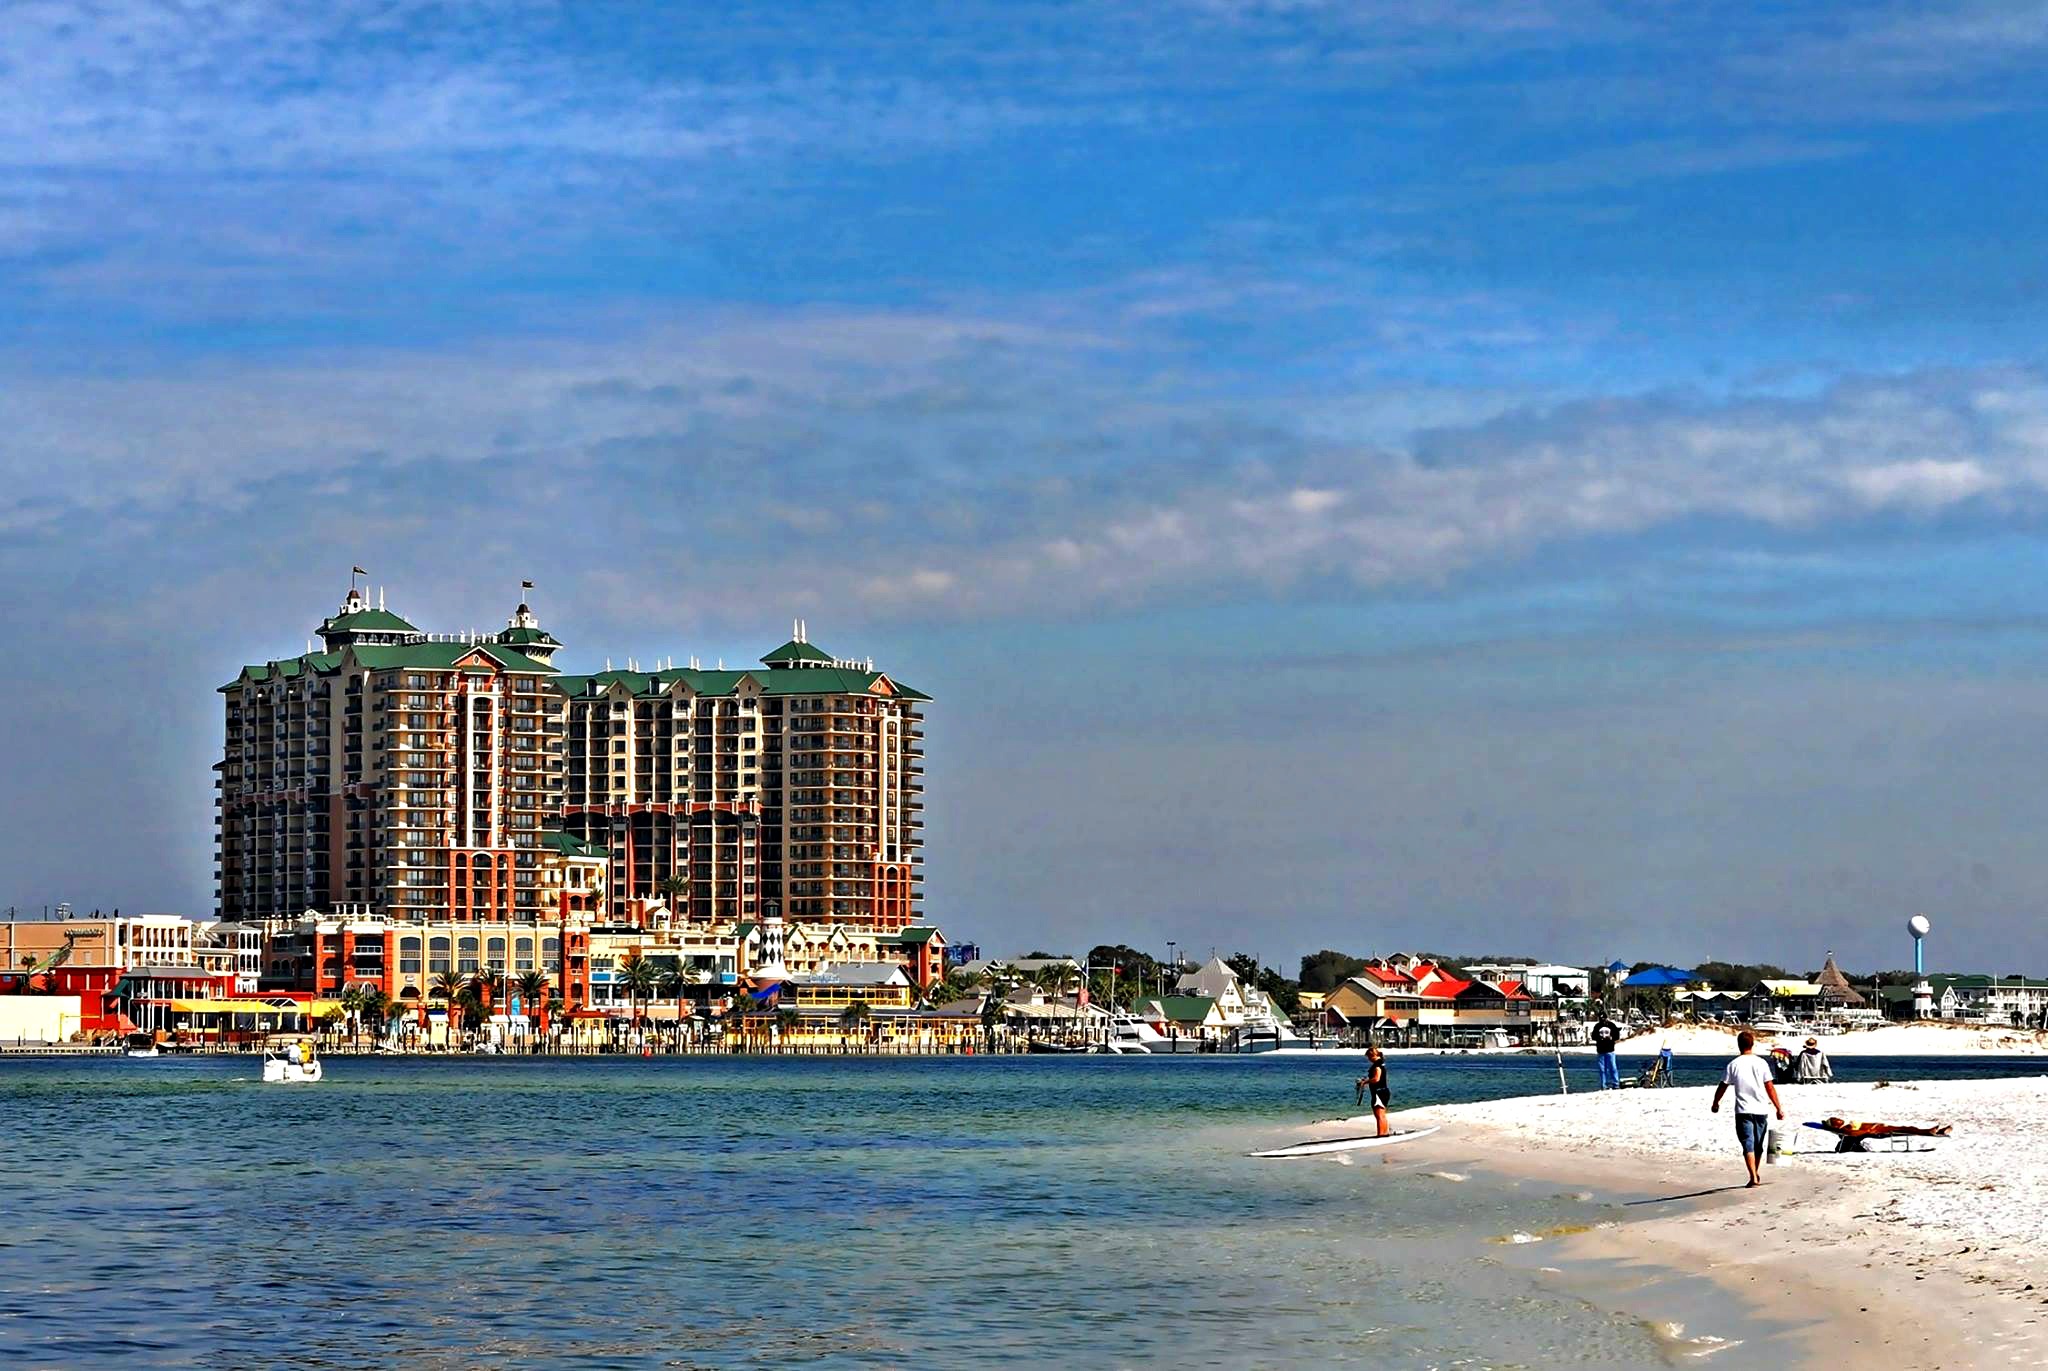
1928	1259
1891	1040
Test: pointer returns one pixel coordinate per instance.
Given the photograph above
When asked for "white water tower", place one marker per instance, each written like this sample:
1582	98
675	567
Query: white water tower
1923	993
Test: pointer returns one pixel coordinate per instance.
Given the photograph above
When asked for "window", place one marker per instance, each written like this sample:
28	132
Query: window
409	956
522	955
437	955
494	952
551	954
465	956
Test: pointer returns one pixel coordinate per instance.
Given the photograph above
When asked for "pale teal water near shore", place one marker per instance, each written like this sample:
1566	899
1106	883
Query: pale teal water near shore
740	1212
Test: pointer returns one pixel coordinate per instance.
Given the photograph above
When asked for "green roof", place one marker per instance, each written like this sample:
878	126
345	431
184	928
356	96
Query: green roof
794	651
431	656
367	621
824	680
516	636
569	845
912	935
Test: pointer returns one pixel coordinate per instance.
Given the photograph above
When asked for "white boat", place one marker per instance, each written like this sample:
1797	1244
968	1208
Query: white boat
1772	1026
1131	1035
284	1070
142	1045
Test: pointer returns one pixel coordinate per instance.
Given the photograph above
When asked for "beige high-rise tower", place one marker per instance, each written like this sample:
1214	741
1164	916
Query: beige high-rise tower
412	775
405	772
717	791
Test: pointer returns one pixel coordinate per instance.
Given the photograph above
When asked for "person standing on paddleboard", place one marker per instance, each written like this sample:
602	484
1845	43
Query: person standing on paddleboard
1376	1082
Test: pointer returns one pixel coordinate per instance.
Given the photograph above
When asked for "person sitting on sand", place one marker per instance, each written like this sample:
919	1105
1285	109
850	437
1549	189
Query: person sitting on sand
1376	1082
1851	1130
1811	1067
1756	1096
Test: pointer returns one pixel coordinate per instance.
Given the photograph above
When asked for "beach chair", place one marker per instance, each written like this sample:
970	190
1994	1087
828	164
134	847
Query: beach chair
1653	1074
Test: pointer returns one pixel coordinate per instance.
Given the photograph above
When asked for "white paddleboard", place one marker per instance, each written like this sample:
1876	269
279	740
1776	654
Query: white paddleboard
1328	1145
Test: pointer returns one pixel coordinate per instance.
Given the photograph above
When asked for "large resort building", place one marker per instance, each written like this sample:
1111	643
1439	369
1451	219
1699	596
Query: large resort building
397	805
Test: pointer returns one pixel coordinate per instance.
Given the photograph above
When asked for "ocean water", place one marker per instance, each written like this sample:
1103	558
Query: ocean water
703	1212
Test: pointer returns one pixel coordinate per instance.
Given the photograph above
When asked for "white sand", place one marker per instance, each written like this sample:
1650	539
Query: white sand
1918	1259
1893	1040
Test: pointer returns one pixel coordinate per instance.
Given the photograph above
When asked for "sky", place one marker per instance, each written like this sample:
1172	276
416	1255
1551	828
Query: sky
1518	477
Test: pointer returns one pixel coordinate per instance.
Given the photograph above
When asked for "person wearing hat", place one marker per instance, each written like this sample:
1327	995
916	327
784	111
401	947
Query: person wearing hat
1811	1067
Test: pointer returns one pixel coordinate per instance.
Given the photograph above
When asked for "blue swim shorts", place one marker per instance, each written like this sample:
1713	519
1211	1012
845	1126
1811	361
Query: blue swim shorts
1752	1129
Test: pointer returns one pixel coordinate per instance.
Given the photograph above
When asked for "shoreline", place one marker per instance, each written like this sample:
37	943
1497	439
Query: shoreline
1847	1253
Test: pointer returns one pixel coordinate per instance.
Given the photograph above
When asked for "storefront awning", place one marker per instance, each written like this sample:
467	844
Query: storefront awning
316	1008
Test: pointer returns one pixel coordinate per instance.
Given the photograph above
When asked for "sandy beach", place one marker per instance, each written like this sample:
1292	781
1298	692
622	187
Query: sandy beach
1932	1259
1892	1040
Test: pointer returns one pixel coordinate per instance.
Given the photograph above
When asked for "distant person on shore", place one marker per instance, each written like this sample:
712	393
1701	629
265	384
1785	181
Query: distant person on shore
1756	1099
1606	1036
1812	1065
1374	1083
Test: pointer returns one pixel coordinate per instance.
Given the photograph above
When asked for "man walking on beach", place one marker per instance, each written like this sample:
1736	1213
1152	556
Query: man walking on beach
1756	1099
1606	1033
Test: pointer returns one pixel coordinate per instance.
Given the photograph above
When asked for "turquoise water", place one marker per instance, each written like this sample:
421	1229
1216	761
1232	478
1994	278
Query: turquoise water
704	1212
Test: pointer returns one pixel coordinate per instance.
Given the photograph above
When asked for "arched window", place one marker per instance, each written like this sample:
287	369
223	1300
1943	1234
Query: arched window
522	954
494	950
465	955
409	956
437	955
551	954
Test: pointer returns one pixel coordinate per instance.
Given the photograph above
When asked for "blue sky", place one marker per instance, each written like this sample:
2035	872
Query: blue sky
1512	477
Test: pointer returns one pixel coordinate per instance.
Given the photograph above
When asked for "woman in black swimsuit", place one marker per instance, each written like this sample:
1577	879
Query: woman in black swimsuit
1376	1082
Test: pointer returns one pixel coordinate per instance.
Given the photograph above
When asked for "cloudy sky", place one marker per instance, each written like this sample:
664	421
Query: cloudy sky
1512	476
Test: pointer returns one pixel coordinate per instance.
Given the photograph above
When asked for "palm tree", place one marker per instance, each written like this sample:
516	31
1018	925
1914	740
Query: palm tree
532	986
735	1015
377	1009
677	888
991	1017
487	983
786	1021
1060	978
854	1015
446	987
351	1001
640	979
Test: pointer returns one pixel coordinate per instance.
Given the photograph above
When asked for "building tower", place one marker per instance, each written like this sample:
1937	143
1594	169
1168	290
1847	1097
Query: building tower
404	772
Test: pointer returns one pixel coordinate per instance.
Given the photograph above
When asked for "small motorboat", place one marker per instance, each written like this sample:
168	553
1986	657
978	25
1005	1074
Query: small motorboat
142	1045
295	1064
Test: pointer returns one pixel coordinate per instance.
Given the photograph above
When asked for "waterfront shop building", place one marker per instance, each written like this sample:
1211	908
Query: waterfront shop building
121	968
1543	981
1423	1003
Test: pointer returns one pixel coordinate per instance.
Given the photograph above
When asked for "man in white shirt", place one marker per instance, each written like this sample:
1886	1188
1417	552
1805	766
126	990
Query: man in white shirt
1756	1099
